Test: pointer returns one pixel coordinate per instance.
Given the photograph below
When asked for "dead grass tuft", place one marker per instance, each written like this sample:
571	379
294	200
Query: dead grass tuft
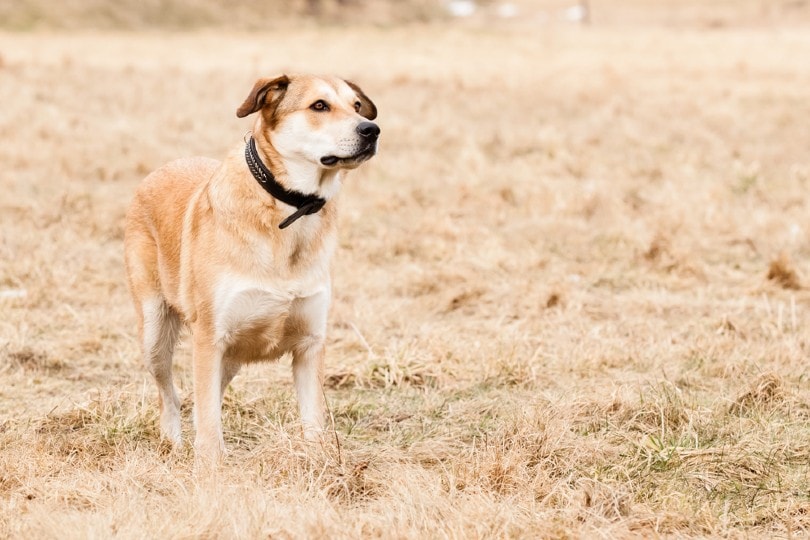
390	372
555	299
340	381
98	432
659	246
29	360
766	391
784	273
604	500
466	298
661	409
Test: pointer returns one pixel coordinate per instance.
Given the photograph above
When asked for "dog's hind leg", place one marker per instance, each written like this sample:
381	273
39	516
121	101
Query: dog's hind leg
158	324
161	326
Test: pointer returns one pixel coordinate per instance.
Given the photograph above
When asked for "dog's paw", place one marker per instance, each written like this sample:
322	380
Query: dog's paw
208	453
170	430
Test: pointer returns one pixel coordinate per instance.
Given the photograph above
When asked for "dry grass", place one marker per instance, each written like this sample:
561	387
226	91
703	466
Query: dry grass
553	315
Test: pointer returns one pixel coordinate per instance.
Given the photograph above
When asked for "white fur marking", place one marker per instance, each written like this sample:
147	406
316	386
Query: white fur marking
159	333
153	320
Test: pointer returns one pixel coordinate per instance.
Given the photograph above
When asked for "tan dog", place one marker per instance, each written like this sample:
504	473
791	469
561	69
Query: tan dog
240	250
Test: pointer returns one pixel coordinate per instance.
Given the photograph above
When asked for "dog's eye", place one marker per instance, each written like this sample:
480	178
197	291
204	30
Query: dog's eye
319	105
357	106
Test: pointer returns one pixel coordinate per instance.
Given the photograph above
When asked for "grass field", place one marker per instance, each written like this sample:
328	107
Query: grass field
569	299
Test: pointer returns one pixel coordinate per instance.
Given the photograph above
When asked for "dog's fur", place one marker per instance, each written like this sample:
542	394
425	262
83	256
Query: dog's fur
203	248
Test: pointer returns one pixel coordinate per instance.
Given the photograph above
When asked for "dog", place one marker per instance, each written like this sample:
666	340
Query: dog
239	251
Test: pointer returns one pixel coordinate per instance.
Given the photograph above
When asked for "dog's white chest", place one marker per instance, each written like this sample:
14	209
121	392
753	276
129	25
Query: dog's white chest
247	307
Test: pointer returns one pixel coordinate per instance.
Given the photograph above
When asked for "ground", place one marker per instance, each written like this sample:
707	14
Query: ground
569	298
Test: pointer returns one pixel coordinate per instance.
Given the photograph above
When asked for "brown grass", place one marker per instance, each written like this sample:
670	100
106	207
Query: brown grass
552	312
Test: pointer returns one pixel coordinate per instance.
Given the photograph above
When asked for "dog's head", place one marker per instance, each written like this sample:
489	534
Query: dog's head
324	120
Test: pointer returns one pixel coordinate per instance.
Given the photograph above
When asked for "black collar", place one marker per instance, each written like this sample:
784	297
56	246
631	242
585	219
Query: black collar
306	204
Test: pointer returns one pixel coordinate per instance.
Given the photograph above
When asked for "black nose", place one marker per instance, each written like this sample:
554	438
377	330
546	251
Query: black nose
368	130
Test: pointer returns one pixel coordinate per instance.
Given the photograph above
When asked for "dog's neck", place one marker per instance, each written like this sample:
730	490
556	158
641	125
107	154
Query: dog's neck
298	174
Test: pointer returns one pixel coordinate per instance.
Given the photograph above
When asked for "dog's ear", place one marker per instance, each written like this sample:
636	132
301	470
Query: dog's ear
264	91
367	107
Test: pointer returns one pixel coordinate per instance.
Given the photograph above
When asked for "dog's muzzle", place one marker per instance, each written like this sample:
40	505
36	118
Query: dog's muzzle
369	133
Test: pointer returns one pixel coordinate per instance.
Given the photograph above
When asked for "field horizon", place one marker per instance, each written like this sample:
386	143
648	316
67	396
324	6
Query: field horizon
570	297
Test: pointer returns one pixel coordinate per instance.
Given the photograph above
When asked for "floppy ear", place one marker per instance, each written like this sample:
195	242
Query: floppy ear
367	107
264	91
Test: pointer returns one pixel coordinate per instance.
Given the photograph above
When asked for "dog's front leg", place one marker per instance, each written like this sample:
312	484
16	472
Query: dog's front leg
308	356
308	317
207	363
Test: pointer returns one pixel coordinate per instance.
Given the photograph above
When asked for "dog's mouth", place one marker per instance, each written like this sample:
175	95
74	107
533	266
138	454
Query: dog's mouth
355	159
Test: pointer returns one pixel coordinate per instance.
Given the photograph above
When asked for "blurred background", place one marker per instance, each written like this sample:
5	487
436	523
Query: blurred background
267	14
